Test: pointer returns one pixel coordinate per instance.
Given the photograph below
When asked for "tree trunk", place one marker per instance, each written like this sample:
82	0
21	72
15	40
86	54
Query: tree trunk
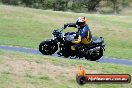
115	7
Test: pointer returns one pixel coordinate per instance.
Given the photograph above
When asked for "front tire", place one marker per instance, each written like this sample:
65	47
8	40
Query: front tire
48	47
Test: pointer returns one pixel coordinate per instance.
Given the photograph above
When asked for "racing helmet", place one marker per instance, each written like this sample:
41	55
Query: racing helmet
81	21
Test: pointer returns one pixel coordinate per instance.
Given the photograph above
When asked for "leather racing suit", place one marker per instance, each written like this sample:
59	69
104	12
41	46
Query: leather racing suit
84	35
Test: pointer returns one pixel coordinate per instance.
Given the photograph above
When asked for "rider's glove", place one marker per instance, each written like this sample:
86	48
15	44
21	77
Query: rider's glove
65	26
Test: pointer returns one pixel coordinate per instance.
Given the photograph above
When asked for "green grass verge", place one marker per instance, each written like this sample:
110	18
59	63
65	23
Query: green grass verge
20	70
27	27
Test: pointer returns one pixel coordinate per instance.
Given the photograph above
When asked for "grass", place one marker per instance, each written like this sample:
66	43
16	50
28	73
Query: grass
20	70
27	27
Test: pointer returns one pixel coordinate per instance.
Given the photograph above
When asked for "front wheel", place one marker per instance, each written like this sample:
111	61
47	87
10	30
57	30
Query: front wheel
48	47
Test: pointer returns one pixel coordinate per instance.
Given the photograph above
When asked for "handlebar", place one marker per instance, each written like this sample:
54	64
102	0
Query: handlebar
62	28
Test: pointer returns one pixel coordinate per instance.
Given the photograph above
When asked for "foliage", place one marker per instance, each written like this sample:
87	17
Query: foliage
91	4
60	5
12	2
74	5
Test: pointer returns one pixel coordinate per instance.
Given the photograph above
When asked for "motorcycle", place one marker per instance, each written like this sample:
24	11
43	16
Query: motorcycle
62	41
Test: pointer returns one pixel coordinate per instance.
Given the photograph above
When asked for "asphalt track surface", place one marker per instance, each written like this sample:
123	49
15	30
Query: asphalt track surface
34	51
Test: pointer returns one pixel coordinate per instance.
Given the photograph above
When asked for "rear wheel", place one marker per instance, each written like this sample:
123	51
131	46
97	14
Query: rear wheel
48	47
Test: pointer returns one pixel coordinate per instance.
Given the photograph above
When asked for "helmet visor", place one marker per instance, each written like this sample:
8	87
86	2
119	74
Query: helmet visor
80	23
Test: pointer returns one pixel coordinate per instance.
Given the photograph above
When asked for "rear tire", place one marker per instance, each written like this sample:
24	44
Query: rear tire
48	47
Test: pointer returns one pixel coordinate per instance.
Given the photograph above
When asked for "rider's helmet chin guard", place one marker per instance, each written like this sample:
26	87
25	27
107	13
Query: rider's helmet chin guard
81	21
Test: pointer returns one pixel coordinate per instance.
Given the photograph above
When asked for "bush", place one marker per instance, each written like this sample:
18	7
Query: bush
106	10
59	5
103	6
125	3
11	2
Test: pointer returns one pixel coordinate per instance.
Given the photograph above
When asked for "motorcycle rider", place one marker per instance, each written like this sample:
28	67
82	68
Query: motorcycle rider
84	33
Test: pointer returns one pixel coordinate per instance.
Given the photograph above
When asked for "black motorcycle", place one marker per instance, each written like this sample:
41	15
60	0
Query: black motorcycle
61	40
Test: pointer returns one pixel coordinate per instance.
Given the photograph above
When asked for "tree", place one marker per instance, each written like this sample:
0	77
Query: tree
91	4
115	6
12	2
60	5
48	4
125	3
28	3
